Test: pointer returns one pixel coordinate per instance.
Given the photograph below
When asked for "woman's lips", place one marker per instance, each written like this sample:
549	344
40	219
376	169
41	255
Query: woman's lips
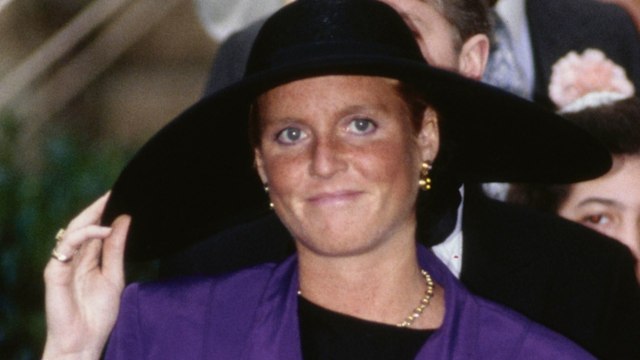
334	197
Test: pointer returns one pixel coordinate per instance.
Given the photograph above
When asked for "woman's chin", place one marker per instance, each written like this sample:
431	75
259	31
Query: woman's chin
337	240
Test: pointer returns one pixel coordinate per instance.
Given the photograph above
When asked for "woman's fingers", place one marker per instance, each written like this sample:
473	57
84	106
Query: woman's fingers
59	272
67	254
82	228
90	215
113	249
72	240
88	258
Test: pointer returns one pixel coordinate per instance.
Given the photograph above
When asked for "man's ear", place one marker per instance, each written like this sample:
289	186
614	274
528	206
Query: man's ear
429	136
259	162
474	56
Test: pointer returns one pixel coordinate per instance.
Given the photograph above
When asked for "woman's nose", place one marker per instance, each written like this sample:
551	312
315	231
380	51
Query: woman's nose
327	157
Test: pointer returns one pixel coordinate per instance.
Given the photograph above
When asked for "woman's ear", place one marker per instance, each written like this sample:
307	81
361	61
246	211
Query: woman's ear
429	136
259	162
474	56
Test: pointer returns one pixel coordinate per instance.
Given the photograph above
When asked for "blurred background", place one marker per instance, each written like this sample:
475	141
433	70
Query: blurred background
83	83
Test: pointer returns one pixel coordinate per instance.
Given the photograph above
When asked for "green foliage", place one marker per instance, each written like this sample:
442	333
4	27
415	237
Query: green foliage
35	201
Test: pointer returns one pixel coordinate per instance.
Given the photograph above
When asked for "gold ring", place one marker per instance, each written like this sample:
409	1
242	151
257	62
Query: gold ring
59	256
60	234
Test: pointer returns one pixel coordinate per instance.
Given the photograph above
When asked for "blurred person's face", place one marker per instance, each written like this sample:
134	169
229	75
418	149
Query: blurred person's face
439	39
610	204
341	156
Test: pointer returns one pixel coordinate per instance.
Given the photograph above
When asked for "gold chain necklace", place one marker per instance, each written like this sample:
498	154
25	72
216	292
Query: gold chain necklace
424	302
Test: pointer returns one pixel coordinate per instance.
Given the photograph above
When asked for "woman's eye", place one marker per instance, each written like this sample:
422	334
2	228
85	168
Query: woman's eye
362	126
290	135
596	219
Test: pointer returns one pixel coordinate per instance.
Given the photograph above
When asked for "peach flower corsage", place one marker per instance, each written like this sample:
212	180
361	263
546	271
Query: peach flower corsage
576	75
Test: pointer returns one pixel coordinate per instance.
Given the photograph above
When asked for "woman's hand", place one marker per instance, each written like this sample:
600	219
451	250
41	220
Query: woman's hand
83	294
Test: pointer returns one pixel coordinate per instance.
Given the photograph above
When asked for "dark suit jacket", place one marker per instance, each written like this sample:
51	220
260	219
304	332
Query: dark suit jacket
557	273
560	26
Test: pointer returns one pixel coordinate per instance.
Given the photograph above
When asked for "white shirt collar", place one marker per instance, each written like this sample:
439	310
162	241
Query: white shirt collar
450	250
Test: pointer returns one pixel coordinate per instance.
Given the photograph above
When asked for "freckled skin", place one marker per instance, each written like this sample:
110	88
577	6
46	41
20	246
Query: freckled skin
610	204
343	178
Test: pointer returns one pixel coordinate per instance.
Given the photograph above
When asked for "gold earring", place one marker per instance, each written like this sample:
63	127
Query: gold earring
425	180
266	189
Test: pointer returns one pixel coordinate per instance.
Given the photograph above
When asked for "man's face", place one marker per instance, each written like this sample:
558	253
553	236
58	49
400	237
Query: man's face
435	35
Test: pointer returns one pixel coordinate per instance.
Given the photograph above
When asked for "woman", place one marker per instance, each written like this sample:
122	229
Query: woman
609	204
345	119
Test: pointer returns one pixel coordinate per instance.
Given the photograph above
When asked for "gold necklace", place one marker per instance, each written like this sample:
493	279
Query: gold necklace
424	302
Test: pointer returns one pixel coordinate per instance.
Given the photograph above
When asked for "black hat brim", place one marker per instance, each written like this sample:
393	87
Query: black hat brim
196	176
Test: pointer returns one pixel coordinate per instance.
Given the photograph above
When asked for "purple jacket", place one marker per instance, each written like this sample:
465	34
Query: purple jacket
253	314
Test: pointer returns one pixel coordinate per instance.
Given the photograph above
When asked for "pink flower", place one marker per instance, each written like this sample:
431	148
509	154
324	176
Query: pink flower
574	76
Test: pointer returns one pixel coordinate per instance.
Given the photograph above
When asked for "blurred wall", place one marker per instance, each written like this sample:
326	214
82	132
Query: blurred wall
161	72
65	136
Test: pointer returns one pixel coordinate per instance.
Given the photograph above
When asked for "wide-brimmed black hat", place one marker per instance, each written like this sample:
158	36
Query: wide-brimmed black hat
196	176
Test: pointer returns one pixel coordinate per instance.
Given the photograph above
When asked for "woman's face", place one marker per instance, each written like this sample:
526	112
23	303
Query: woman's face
610	204
341	157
